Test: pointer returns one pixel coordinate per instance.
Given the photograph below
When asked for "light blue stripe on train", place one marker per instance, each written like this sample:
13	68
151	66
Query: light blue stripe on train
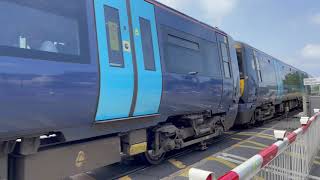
149	82
116	84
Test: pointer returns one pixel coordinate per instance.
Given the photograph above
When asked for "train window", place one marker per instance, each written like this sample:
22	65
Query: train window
182	60
226	67
147	45
183	43
114	36
46	30
226	59
185	53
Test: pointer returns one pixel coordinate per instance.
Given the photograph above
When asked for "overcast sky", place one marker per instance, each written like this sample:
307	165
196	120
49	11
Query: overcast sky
286	29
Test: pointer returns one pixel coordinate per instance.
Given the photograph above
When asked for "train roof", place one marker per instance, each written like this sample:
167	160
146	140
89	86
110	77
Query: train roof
205	25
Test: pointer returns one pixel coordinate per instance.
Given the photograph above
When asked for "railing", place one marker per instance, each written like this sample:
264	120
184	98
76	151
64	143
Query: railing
289	158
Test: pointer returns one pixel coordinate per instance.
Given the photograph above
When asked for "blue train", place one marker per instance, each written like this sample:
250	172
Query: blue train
141	74
275	87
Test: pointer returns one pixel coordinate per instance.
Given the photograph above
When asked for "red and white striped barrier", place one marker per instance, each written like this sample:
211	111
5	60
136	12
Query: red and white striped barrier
289	158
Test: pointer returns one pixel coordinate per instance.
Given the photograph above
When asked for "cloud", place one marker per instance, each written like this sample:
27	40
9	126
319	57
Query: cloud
311	51
209	11
316	18
308	59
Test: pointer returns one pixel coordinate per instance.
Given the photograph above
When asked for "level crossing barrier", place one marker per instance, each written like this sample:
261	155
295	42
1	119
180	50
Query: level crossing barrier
291	157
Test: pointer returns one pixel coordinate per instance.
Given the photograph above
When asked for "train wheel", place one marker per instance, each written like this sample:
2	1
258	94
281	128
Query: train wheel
151	158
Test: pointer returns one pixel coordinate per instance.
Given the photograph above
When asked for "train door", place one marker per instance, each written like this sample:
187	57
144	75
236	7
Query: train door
228	85
279	81
130	73
149	76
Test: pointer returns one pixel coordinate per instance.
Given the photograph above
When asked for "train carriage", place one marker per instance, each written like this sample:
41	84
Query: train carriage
109	76
268	86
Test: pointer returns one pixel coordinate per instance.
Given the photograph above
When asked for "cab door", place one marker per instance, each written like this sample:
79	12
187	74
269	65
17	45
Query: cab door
130	73
229	97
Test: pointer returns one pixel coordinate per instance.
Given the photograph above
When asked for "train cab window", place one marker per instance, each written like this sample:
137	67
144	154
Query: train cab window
147	45
114	39
226	59
240	63
44	30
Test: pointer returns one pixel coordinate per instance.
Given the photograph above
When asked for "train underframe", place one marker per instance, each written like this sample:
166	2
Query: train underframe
258	115
182	131
22	159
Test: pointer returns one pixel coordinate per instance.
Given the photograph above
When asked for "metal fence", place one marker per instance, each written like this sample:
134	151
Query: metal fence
289	158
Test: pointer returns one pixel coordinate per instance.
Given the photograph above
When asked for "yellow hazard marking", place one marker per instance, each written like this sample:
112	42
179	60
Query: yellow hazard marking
264	136
222	161
80	160
259	133
255	143
138	148
241	87
316	162
249	147
136	32
238	139
125	178
185	172
265	128
258	178
177	163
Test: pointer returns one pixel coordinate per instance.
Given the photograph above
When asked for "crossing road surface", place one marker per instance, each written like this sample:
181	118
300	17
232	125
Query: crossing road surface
222	155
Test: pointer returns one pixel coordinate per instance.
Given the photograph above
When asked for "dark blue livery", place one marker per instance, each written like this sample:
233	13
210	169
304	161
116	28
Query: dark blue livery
134	70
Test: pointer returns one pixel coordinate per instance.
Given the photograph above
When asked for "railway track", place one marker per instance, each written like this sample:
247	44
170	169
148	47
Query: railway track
129	167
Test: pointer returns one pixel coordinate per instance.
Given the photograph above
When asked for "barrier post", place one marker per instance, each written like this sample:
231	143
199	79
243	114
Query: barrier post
291	157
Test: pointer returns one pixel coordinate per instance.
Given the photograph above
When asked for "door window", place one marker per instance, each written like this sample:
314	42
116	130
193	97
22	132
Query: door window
114	38
226	59
147	45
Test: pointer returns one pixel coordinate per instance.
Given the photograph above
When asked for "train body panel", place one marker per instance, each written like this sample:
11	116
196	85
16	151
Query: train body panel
43	90
191	63
114	77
